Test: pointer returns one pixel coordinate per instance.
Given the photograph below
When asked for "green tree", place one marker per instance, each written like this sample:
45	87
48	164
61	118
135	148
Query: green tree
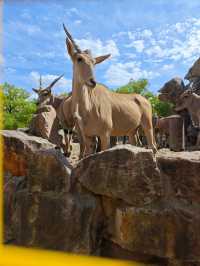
161	109
18	108
134	86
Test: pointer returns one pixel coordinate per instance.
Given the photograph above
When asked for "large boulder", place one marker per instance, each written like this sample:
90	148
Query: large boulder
33	163
45	124
151	207
17	148
36	158
194	71
123	172
172	90
42	122
181	175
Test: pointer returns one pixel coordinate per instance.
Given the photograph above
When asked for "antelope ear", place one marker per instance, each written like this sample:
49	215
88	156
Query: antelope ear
35	90
101	58
70	48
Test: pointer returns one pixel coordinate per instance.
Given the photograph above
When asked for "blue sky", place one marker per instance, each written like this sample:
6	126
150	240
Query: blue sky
156	39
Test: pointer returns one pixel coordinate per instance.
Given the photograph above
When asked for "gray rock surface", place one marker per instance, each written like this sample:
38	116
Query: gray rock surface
171	90
123	172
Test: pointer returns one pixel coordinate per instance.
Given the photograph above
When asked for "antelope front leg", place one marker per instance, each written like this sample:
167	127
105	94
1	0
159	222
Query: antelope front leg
80	129
90	144
82	141
195	120
105	142
150	139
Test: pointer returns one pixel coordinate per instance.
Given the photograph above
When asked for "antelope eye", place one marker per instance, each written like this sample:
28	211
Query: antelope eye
79	59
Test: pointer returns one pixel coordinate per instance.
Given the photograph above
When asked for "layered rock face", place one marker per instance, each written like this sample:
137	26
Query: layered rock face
121	203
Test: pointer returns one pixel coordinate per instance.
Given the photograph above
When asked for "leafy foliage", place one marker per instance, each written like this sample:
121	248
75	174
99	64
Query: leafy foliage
18	108
138	86
161	109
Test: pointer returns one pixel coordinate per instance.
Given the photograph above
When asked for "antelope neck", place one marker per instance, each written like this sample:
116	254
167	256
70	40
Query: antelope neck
81	97
56	101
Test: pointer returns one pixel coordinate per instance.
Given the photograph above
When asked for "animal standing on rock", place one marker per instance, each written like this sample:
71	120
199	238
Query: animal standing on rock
191	101
62	106
100	112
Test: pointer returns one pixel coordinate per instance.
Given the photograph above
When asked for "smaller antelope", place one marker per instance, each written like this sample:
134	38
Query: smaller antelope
62	106
191	101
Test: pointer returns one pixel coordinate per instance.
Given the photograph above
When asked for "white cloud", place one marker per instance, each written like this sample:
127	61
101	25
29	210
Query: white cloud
138	45
131	55
153	60
26	15
156	50
161	42
180	27
74	10
172	44
63	85
187	48
175	42
120	73
77	22
24	27
46	55
167	67
119	34
147	33
131	35
98	47
10	70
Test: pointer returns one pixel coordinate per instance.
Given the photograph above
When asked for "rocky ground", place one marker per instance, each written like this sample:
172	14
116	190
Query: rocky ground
121	203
